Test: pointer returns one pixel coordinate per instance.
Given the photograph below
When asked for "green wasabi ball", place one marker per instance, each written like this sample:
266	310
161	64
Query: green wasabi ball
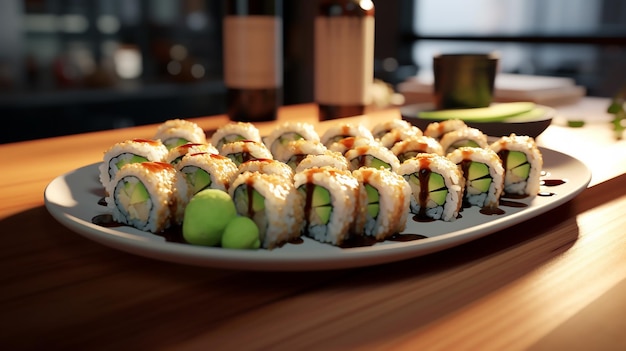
206	215
241	233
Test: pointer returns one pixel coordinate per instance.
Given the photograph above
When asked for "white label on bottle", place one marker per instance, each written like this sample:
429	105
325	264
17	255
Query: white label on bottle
253	52
344	60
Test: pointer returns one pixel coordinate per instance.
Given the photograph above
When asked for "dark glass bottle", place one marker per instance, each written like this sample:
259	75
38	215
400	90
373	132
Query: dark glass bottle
253	62
344	57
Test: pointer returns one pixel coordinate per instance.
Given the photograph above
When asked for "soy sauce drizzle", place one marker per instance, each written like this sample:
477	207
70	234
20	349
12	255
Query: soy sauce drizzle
174	233
553	182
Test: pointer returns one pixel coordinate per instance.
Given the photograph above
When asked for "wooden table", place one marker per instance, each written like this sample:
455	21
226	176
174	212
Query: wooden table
555	282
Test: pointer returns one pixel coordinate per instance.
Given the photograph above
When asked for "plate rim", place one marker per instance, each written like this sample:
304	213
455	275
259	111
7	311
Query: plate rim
267	260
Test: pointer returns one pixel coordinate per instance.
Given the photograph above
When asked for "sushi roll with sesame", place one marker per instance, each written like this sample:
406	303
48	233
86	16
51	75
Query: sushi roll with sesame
344	130
483	173
380	129
206	170
266	166
387	202
330	206
129	151
175	132
150	196
409	148
375	156
245	150
328	158
437	130
176	154
349	143
235	131
295	151
522	162
288	131
397	135
464	137
436	187
273	203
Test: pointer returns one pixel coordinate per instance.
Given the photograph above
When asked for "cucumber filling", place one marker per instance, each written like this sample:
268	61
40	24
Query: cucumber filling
175	142
229	139
319	203
462	143
133	199
288	137
373	201
436	188
197	178
478	178
124	159
518	167
369	161
250	203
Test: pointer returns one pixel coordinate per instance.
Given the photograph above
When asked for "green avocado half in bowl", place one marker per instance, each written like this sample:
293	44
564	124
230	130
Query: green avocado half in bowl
499	119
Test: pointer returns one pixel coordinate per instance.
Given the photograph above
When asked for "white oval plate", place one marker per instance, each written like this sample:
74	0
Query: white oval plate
72	199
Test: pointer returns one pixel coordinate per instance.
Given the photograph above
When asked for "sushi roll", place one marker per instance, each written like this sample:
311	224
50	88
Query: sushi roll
175	132
266	166
235	131
375	156
328	158
522	162
272	202
206	170
289	131
483	173
388	199
150	196
464	137
129	151
396	135
245	150
330	203
380	129
410	147
295	151
176	154
436	187
438	129
345	144
344	130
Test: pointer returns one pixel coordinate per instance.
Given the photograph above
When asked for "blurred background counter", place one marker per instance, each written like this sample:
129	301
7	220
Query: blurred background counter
70	66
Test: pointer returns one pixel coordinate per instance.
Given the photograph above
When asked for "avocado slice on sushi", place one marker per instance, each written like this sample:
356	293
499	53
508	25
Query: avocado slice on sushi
121	161
231	138
320	203
437	190
136	192
518	167
373	201
369	161
198	178
407	155
285	138
134	198
478	178
175	142
462	143
249	201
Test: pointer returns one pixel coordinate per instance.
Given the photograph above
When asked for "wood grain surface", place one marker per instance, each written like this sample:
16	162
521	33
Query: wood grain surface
555	282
